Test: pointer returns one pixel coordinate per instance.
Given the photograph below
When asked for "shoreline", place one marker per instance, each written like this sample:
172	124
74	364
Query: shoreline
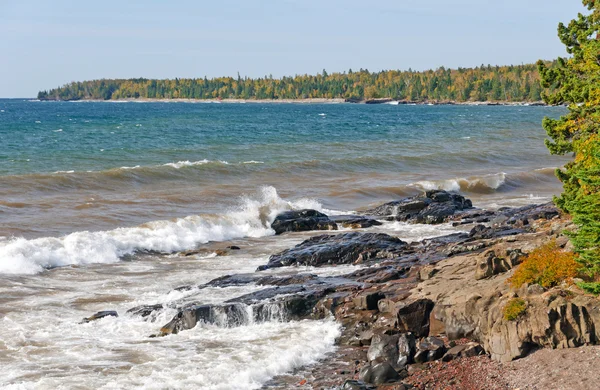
387	101
420	293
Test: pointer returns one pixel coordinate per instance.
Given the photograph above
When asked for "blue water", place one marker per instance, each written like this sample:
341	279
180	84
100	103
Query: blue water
46	137
67	166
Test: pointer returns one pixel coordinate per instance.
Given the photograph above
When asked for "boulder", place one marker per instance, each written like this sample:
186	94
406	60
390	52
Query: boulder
379	373
301	221
429	349
406	349
414	317
463	350
356	385
383	348
368	301
355	221
346	248
433	207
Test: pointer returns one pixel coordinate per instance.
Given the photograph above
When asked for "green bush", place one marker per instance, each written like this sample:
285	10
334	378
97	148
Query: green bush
591	287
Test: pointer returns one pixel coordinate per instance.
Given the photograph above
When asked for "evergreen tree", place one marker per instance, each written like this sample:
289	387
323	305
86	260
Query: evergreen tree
576	82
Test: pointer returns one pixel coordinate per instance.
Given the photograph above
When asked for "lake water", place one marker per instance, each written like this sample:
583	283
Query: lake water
92	193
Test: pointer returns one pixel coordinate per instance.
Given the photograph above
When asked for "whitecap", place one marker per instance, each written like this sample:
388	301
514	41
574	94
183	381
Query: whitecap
57	131
252	218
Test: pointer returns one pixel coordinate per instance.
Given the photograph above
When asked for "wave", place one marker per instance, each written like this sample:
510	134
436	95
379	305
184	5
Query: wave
252	218
501	182
485	184
476	184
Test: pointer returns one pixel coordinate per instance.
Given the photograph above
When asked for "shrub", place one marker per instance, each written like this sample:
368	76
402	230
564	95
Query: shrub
547	266
514	309
591	287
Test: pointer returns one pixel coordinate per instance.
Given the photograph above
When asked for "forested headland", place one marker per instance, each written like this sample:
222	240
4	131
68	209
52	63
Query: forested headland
514	83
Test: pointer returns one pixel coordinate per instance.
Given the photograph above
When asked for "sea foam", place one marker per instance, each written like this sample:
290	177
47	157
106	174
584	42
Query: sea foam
252	218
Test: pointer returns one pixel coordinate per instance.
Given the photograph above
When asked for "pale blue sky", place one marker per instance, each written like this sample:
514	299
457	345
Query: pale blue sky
44	44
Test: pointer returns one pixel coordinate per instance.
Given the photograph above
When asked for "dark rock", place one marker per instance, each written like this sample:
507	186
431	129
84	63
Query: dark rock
144	310
347	248
414	317
100	314
463	350
433	207
234	247
284	303
355	221
483	232
383	348
379	373
301	221
406	349
430	349
368	301
356	385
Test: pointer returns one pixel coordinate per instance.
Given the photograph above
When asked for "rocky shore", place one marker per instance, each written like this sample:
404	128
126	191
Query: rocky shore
425	315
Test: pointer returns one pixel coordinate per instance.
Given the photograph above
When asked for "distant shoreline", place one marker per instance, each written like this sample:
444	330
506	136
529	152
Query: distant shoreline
310	101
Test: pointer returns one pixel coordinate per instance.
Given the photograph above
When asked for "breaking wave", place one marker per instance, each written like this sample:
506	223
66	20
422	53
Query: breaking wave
252	218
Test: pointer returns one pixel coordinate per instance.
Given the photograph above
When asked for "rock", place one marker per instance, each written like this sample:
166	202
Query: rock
144	310
346	248
100	314
383	348
429	349
355	221
464	350
406	349
368	301
482	232
427	272
414	317
490	265
280	303
234	247
431	208
302	220
355	385
365	337
379	373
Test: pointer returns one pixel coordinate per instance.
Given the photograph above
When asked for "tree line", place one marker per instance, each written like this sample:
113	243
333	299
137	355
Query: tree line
514	83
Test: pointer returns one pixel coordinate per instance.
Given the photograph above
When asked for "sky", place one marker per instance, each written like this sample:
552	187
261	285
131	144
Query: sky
45	44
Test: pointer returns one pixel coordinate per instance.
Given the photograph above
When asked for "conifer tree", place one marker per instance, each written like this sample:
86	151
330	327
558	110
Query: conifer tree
576	81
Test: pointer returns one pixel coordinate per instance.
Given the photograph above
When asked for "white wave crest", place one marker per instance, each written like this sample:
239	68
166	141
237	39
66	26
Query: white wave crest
252	218
181	164
471	184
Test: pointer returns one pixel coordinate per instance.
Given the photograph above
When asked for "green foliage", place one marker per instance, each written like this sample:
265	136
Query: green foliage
514	309
576	82
547	266
505	83
591	287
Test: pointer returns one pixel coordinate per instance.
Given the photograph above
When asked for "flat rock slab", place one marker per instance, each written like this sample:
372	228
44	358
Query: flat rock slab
347	248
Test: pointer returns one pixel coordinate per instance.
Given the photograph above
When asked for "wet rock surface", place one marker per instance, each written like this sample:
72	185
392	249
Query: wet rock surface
99	315
431	208
346	248
301	221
